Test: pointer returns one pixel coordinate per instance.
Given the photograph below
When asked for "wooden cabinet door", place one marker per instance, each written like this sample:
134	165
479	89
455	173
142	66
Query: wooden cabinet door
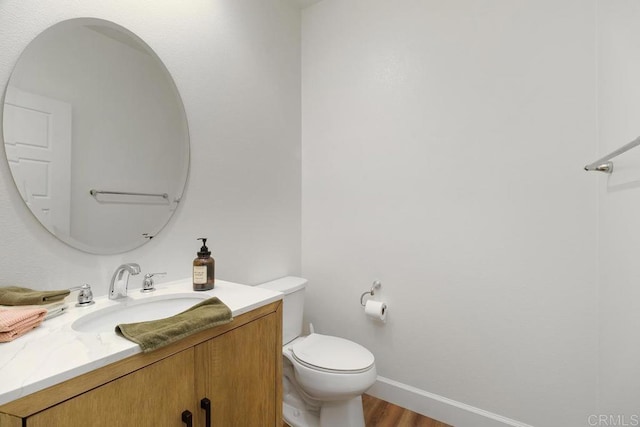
238	372
154	396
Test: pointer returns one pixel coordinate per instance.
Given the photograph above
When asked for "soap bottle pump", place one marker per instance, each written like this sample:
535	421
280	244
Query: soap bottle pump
203	268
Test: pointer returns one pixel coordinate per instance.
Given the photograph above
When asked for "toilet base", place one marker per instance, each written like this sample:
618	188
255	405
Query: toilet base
297	413
346	413
296	417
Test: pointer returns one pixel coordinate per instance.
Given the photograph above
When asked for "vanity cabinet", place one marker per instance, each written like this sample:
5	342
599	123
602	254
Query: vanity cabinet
152	396
237	372
234	369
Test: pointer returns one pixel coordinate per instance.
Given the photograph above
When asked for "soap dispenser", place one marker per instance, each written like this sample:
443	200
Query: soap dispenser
203	268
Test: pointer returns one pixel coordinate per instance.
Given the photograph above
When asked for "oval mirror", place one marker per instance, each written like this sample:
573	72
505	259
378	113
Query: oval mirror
96	136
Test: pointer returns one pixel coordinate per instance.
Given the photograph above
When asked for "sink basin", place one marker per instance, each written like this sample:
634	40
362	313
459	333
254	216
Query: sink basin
131	311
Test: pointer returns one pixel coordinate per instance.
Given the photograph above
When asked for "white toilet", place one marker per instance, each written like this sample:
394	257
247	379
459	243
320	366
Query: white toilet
324	376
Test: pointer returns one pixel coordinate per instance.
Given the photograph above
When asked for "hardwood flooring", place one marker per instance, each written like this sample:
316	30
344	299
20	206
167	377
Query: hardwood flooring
378	413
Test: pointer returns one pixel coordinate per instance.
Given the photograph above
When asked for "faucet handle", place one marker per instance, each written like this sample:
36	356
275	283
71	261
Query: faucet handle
147	283
85	296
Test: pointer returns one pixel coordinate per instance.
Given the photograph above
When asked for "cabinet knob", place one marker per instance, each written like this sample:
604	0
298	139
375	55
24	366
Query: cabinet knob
206	405
187	418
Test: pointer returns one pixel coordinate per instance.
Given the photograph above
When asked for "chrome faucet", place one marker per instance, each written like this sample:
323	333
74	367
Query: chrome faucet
116	288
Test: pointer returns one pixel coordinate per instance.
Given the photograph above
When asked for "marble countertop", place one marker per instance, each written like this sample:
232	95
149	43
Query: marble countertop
54	352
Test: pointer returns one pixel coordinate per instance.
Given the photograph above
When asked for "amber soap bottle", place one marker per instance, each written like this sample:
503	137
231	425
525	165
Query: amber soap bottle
203	268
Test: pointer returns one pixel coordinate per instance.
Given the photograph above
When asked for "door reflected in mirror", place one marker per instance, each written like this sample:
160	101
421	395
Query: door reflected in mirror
96	136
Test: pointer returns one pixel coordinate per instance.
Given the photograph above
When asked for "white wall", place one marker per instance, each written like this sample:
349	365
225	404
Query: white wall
443	145
237	67
619	224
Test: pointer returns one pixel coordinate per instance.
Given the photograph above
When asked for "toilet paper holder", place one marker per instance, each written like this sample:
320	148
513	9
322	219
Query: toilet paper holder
376	285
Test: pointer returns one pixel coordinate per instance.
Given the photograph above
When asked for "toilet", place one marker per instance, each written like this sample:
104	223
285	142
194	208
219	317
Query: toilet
324	376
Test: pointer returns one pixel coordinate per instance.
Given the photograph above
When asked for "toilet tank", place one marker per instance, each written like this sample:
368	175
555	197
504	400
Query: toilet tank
292	304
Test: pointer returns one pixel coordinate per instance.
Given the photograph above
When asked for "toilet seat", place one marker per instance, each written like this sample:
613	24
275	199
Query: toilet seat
332	354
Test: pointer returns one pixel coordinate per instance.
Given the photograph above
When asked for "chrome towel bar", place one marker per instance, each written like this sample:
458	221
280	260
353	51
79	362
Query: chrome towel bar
94	193
605	164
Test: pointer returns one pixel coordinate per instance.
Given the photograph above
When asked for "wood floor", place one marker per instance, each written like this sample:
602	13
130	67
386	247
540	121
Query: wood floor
378	413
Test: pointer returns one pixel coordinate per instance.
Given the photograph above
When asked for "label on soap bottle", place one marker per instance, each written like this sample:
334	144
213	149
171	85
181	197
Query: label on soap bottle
199	274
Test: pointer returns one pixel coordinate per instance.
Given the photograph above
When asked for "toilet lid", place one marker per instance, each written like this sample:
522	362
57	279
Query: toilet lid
332	353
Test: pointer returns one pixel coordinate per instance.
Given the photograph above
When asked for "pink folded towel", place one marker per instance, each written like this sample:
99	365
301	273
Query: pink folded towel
53	310
15	323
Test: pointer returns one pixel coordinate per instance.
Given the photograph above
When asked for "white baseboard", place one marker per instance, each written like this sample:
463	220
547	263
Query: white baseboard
437	407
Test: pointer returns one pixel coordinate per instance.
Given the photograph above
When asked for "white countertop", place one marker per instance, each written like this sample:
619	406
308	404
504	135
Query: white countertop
54	352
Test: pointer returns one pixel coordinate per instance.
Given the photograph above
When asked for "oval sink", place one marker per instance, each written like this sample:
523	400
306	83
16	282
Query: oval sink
131	311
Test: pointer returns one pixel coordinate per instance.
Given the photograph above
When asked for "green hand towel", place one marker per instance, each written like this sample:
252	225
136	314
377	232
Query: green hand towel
154	334
15	295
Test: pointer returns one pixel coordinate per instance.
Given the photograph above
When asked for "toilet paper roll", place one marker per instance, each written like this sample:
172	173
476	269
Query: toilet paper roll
376	309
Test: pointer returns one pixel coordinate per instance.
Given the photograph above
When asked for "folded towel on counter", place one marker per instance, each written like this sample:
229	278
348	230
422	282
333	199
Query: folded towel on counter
15	295
53	310
15	323
154	334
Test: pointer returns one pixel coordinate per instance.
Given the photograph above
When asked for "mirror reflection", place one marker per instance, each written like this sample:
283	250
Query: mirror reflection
96	136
